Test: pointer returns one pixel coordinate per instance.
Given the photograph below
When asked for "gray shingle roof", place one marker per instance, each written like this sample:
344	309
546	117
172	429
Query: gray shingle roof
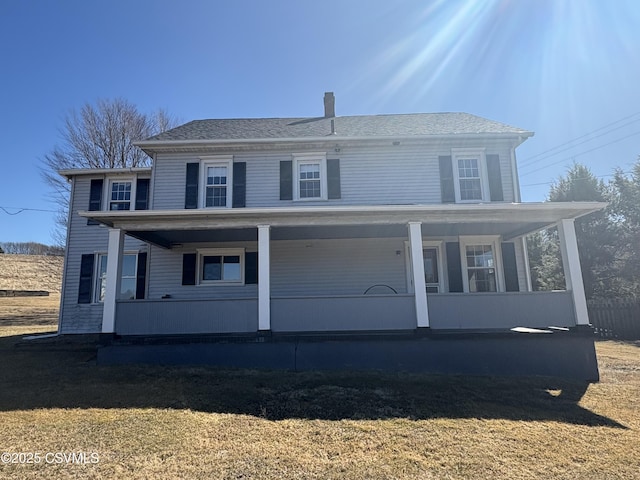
400	125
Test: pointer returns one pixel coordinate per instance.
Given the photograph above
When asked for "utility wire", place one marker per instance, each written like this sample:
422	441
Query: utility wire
579	154
526	165
23	209
528	160
583	178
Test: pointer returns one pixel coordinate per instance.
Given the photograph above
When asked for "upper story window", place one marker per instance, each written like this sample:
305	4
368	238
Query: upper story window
469	179
470	175
215	194
310	176
216	182
120	195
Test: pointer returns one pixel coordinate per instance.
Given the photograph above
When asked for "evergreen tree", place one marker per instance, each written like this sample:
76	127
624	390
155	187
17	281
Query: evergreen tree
625	207
596	236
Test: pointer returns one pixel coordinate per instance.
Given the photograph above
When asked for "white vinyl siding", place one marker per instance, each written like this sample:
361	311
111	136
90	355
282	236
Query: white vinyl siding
369	176
84	239
298	267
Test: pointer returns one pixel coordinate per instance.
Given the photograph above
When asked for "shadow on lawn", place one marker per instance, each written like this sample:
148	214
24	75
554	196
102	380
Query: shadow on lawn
66	376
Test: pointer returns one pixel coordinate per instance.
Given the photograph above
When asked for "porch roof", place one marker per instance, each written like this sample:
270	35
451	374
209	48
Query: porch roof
510	220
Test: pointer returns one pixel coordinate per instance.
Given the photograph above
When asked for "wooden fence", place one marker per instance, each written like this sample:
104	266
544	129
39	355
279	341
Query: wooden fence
616	319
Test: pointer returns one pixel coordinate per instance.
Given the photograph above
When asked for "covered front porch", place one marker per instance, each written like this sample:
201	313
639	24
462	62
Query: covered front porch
389	291
340	314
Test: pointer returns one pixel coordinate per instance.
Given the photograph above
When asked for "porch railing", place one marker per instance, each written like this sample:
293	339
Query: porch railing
174	317
343	313
501	310
346	313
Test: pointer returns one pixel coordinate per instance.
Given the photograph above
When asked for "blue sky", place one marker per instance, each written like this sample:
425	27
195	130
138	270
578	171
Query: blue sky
561	68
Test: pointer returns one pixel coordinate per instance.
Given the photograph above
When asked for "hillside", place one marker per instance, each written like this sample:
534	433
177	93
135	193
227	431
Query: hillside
31	272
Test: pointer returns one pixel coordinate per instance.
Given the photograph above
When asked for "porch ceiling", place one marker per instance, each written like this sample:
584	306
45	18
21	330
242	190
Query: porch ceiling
169	227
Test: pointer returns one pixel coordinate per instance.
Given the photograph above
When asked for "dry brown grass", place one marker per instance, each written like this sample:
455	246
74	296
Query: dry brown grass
178	422
29	312
31	272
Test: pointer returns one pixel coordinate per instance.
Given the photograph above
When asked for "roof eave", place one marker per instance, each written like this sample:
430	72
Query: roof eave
152	146
73	172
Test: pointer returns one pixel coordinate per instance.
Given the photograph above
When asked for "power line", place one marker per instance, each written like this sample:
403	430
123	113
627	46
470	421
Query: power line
530	163
583	178
580	153
23	209
529	159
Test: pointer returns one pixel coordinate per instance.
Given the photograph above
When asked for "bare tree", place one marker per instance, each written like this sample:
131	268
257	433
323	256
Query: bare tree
98	136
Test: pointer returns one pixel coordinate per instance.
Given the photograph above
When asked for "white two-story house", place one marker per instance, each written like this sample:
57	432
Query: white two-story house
359	224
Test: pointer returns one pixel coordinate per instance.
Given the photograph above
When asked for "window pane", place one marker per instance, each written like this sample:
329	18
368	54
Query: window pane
479	256
232	268
217	175
482	280
310	189
129	265
309	171
212	268
120	206
102	268
470	189
216	197
121	191
430	265
128	289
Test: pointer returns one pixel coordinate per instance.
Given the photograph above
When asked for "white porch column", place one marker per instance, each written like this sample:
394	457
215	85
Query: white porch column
114	274
417	267
572	269
264	276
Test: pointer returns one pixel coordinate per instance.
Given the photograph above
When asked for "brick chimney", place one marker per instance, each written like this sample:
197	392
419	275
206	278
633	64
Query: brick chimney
329	105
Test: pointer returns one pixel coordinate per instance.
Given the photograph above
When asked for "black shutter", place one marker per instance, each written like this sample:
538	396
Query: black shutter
454	267
95	198
239	184
286	180
141	279
510	267
142	194
251	268
189	269
495	178
333	178
86	278
191	189
447	188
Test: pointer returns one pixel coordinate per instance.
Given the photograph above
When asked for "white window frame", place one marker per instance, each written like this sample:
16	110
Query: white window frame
471	153
494	241
97	279
438	245
306	159
107	194
216	161
222	252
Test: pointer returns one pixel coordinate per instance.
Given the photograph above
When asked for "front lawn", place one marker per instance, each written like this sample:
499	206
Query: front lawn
178	422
